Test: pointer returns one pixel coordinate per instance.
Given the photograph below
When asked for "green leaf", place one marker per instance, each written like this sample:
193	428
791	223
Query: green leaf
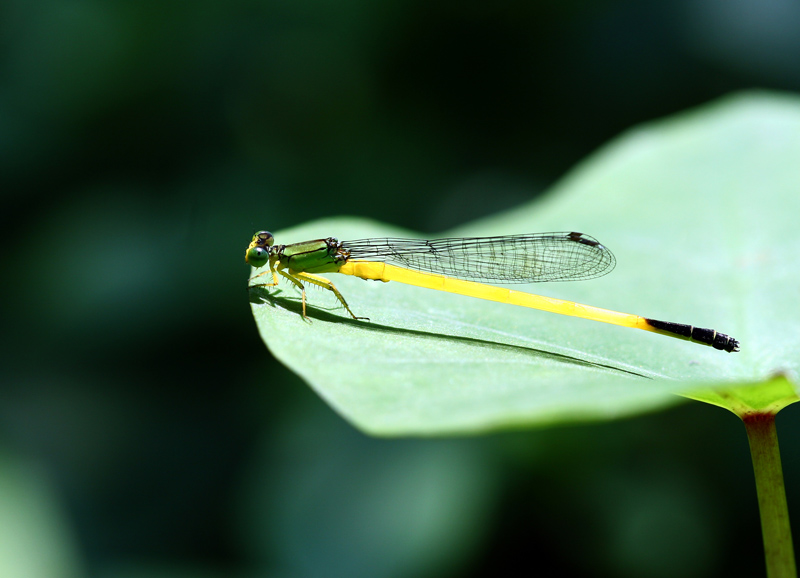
766	397
35	538
701	212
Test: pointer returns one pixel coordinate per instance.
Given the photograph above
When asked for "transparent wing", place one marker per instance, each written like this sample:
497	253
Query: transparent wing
508	259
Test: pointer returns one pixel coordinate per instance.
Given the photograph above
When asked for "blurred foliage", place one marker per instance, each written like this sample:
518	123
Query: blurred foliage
142	143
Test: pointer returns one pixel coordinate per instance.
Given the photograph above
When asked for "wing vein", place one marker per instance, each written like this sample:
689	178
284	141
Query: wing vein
531	258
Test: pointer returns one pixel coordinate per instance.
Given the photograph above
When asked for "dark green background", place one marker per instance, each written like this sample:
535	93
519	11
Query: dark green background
142	144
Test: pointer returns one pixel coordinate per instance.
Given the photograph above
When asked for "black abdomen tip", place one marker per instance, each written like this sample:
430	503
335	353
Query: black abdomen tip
716	340
699	334
725	343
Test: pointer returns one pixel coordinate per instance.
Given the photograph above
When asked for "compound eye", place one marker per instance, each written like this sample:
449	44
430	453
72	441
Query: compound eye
264	239
257	256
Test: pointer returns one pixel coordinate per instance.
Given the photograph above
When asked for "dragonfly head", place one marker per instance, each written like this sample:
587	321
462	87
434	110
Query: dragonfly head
257	253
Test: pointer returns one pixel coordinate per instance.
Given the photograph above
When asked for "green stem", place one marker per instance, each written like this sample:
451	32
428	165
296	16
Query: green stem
778	547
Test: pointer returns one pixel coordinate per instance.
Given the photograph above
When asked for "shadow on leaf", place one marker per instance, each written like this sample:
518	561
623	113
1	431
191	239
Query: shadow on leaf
260	296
